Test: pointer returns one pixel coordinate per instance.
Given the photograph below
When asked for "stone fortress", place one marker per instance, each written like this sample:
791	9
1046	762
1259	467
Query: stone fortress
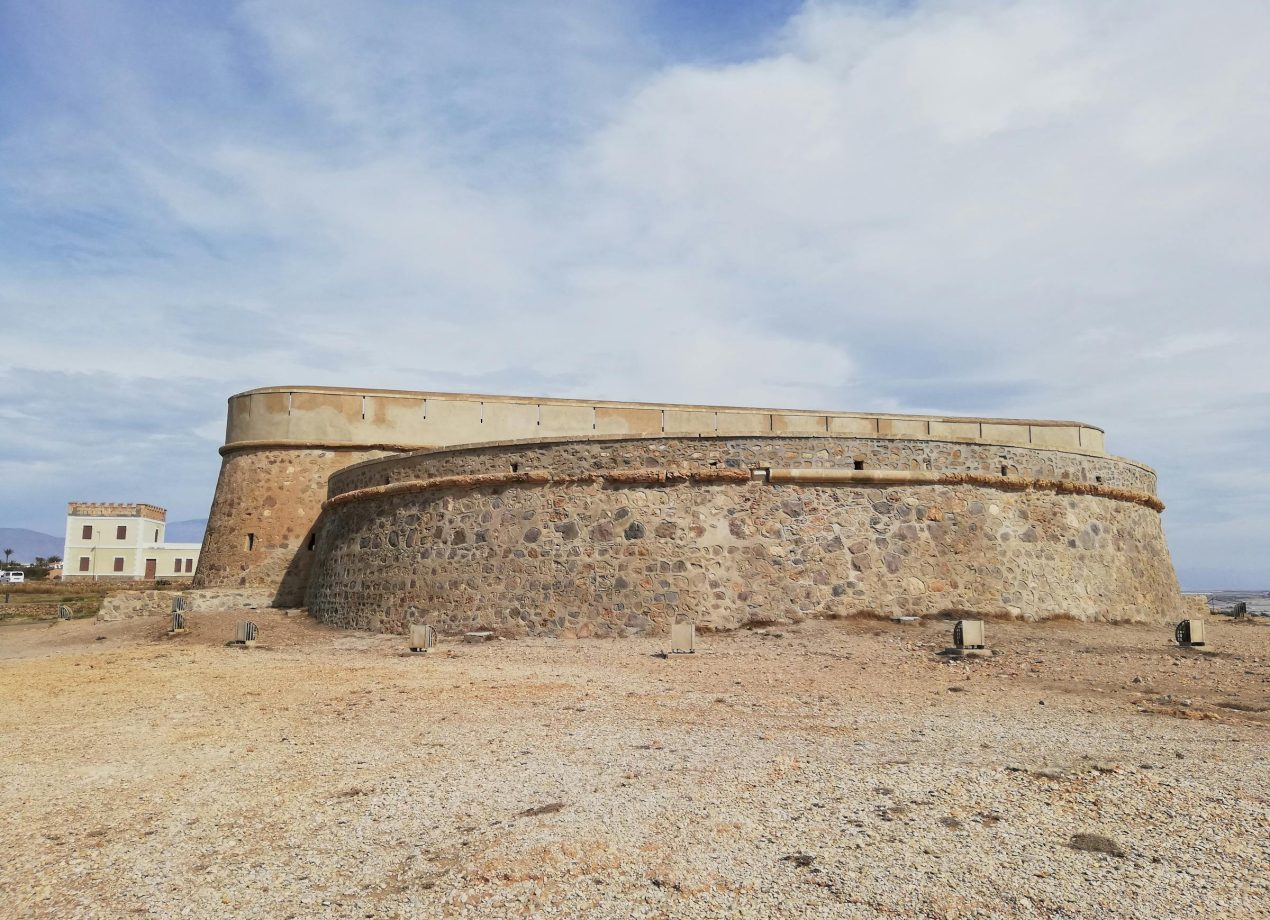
528	516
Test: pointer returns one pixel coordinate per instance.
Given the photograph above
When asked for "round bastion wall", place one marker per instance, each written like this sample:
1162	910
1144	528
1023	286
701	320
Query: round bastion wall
261	522
282	445
617	536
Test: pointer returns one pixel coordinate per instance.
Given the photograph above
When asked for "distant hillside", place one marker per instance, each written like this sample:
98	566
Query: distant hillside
185	531
27	544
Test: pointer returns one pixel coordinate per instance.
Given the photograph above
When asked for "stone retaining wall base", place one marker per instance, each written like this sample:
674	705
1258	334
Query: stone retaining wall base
124	605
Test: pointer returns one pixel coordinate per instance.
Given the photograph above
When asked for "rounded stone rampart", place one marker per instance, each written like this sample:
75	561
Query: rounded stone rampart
609	536
260	527
282	444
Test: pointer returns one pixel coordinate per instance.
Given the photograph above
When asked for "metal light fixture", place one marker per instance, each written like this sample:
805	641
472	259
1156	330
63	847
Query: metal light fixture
423	638
1190	633
683	638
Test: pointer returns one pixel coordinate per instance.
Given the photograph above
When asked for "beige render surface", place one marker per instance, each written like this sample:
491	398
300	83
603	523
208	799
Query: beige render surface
102	564
134	564
144	532
404	419
167	555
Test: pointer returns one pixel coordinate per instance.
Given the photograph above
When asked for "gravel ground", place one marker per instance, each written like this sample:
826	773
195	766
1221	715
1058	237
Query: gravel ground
833	769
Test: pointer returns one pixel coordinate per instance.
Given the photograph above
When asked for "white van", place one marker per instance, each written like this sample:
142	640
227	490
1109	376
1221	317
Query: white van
13	578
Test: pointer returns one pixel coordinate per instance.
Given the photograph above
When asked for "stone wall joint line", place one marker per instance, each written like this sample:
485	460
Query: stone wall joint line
928	477
671	476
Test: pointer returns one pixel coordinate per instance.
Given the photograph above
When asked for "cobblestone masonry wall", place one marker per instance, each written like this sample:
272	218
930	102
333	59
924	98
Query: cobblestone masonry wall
595	558
281	441
122	605
275	496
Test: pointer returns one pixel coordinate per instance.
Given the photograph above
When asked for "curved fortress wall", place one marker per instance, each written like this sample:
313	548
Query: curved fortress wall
610	537
260	528
746	543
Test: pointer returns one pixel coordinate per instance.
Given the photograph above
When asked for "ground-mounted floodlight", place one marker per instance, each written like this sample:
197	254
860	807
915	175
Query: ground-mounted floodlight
683	638
178	623
178	604
63	612
1190	634
246	634
968	640
968	634
423	638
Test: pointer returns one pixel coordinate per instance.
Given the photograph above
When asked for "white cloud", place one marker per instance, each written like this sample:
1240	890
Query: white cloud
1174	346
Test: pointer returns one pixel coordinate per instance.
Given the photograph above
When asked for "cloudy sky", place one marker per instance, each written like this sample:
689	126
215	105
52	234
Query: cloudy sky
1049	209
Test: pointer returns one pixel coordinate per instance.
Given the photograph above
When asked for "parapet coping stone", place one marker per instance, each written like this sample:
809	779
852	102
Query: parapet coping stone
620	404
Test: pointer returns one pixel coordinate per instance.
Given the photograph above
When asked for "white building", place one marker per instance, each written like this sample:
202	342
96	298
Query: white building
123	541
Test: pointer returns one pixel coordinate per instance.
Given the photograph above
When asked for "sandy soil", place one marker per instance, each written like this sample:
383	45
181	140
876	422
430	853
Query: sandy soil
834	769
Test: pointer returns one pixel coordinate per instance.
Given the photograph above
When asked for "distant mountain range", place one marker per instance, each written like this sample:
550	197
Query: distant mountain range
27	544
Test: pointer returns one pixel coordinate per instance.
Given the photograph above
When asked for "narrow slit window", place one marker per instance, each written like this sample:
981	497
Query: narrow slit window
515	467
176	567
1005	470
189	565
251	542
859	464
